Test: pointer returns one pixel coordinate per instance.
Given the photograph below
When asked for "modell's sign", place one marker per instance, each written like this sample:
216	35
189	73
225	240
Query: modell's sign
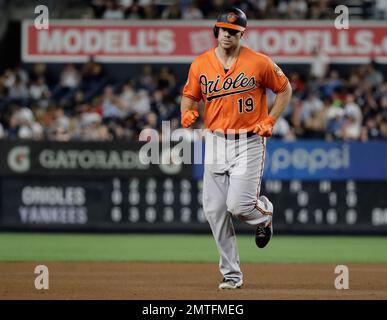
182	41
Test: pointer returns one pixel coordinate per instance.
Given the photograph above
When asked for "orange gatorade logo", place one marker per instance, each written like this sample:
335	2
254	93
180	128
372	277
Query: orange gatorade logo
215	89
232	17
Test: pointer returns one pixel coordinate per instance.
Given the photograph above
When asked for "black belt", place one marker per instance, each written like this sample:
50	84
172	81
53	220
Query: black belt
234	136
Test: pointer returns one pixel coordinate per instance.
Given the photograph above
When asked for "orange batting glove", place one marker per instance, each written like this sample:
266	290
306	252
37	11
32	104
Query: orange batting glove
265	127
188	117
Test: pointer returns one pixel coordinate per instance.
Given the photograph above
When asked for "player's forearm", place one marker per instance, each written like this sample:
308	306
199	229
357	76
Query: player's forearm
280	102
187	104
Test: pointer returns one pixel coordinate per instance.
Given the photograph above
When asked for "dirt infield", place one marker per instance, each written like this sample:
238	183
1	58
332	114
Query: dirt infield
164	281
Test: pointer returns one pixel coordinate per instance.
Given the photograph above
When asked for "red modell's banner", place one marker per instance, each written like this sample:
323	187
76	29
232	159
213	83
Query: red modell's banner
181	41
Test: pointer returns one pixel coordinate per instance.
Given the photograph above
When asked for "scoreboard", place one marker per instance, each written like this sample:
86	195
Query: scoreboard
175	204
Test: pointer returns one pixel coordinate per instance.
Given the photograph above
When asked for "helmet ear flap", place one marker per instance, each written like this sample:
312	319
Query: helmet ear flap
216	32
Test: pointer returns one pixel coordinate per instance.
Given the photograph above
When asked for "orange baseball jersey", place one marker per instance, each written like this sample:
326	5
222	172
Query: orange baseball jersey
236	99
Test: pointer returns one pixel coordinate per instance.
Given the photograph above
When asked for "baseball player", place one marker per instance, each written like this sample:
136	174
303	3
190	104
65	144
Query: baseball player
232	80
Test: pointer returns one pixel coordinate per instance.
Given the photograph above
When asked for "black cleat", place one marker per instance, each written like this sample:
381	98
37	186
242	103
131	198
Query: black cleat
264	230
263	234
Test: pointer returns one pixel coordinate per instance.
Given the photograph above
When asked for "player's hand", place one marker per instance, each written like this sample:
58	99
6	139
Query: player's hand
188	117
265	127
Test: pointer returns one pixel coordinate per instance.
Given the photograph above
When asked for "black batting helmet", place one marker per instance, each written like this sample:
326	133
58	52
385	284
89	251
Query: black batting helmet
231	18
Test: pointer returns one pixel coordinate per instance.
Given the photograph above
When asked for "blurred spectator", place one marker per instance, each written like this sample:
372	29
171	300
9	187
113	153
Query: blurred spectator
112	10
2	133
40	70
135	11
383	103
69	80
146	78
59	127
320	63
23	125
260	7
3	89
171	12
150	12
92	77
79	100
335	120
141	102
91	71
282	130
144	3
98	7
383	128
373	76
111	104
70	77
255	9
330	85
127	97
151	120
192	12
39	89
9	78
295	106
381	9
22	74
351	128
297	83
166	80
311	105
92	127
125	4
350	107
18	90
370	131
281	11
315	125
322	10
297	9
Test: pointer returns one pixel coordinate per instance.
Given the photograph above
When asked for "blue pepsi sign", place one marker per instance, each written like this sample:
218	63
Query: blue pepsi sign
315	160
319	160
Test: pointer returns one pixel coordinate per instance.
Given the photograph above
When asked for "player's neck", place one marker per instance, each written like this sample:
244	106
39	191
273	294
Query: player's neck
227	56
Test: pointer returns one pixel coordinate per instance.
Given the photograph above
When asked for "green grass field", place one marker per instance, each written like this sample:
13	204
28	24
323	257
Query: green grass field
187	248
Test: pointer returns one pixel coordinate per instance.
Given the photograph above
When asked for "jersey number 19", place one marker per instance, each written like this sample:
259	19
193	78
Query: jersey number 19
245	106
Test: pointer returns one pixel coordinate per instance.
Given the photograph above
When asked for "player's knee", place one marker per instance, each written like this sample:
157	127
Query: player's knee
239	208
212	208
